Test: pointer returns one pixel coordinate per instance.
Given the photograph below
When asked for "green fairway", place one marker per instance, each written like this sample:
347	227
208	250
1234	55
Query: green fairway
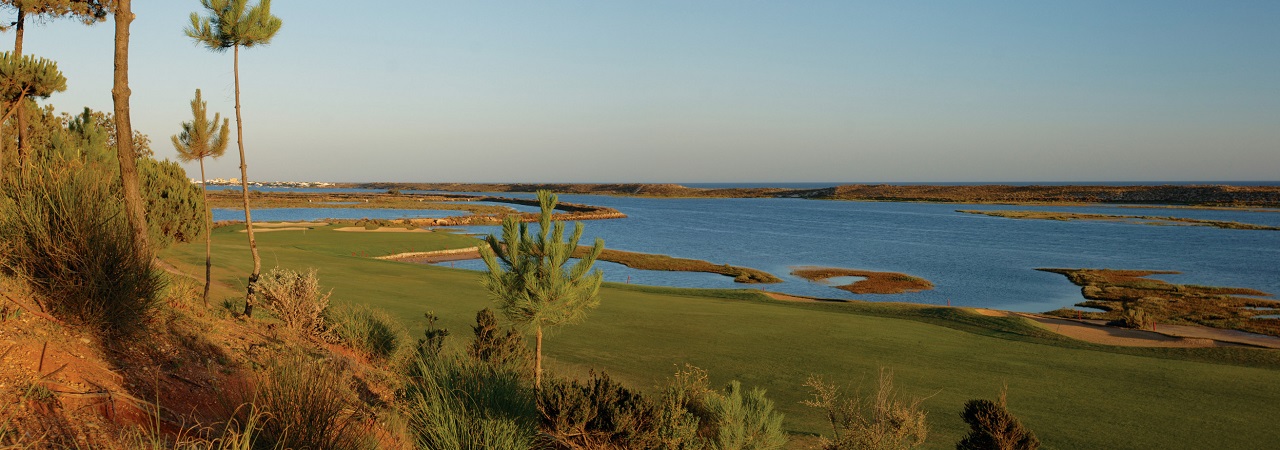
1072	395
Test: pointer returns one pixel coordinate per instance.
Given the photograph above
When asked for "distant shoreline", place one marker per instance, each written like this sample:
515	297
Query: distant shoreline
1231	196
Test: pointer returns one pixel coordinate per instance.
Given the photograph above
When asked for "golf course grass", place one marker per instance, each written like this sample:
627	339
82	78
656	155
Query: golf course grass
1072	394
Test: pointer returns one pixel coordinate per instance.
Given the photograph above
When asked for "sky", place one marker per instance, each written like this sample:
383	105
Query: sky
712	91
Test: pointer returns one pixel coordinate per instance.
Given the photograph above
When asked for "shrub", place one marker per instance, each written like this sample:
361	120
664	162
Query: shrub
597	414
309	404
492	345
458	403
66	235
369	330
681	410
742	422
882	422
175	209
994	428
432	340
295	298
1135	317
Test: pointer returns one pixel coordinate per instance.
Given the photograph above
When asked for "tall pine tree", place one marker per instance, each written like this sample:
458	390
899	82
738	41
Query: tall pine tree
232	24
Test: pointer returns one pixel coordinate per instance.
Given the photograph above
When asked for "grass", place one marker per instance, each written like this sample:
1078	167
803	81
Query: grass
1072	394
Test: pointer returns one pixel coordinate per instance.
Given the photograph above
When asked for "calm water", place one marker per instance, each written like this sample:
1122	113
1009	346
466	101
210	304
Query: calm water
973	260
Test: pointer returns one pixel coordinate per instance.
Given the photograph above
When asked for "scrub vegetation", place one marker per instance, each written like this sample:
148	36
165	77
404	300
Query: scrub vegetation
1145	220
1129	298
872	282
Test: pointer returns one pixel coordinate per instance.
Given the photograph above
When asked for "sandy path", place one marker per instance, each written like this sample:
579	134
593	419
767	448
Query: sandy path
457	254
790	298
382	230
1102	334
264	230
289	224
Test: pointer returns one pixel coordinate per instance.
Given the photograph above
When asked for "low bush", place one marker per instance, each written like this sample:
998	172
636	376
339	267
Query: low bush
599	413
309	404
492	344
456	402
369	330
296	299
66	235
881	422
432	341
993	427
743	421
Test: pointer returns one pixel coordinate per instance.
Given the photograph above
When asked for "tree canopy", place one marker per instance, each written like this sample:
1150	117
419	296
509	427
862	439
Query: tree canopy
87	11
202	138
232	23
28	77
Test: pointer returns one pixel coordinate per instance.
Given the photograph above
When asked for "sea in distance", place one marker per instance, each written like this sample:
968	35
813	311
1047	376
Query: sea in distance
973	260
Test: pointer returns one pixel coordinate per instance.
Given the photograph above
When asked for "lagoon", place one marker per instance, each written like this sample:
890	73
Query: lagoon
973	260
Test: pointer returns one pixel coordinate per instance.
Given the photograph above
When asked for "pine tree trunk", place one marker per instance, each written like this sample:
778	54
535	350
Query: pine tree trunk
124	134
208	234
17	53
24	147
8	112
251	292
537	367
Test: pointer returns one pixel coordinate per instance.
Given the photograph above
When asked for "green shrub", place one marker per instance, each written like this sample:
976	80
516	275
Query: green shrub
992	427
66	235
599	413
882	422
369	330
309	404
743	421
432	340
493	345
175	209
296	299
454	402
682	410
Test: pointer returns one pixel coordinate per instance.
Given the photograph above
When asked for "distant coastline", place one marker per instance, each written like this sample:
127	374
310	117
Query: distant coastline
1217	195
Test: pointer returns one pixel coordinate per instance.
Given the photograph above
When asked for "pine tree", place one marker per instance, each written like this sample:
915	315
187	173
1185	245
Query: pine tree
86	11
24	77
528	279
198	140
232	24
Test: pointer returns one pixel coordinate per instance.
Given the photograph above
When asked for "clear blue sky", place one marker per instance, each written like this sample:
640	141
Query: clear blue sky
685	91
